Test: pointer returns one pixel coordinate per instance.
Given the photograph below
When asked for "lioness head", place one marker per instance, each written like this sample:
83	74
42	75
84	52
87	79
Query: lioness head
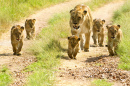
17	31
73	40
77	16
31	22
113	30
98	24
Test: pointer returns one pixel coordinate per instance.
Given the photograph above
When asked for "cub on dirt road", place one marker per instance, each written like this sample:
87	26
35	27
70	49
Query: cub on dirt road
30	28
114	38
73	46
17	39
98	32
81	22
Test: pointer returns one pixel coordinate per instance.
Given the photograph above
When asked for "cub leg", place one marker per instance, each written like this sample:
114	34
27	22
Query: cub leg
75	52
33	33
19	48
14	45
95	39
86	46
111	53
101	39
28	34
70	53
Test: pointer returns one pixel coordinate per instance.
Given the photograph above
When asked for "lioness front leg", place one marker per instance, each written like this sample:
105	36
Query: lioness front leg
19	48
86	46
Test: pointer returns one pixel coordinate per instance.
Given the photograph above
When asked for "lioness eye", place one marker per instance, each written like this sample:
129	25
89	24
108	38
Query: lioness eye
79	18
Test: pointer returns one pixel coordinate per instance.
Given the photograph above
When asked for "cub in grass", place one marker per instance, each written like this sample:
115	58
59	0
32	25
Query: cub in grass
17	39
114	38
73	46
98	32
30	28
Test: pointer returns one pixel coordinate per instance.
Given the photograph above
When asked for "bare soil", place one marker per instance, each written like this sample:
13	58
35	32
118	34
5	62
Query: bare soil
78	72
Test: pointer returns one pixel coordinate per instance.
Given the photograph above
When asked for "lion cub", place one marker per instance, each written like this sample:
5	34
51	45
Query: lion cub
30	28
98	32
114	38
17	39
73	46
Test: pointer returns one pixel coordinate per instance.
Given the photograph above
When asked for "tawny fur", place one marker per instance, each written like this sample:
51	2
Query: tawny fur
114	38
17	39
30	28
73	46
98	32
81	23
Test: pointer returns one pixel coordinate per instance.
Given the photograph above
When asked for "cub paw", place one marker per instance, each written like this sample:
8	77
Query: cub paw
86	50
18	54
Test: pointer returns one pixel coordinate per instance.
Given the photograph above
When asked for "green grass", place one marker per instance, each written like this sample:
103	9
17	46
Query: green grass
5	78
101	82
122	17
14	10
48	49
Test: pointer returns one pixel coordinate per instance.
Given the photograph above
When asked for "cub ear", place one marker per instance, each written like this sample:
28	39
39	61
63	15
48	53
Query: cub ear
85	12
118	26
107	26
34	19
71	10
78	39
68	38
103	21
22	27
27	19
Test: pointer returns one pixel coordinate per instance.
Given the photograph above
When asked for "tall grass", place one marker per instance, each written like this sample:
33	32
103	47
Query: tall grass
14	10
122	17
5	78
48	48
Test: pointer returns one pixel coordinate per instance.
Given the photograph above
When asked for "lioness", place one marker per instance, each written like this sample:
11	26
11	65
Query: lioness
30	28
73	46
81	23
114	38
17	39
98	32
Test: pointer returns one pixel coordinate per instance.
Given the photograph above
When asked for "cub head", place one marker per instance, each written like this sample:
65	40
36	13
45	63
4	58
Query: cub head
73	41
77	17
113	30
98	24
31	22
17	31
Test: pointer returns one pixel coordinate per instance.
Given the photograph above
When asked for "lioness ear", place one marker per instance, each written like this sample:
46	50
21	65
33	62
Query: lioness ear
103	21
68	38
85	12
22	27
78	39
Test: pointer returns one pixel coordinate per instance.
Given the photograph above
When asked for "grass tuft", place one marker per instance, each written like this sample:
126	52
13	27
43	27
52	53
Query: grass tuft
101	82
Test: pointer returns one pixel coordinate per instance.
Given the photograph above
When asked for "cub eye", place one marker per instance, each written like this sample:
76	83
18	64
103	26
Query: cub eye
115	31
72	17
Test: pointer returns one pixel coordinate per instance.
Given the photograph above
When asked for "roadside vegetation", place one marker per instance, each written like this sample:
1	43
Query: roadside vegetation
122	17
49	46
5	78
101	82
14	10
